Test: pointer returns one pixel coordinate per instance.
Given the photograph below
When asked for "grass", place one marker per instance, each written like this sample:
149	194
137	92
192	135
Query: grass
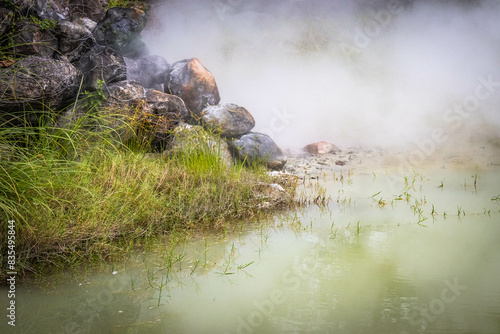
79	195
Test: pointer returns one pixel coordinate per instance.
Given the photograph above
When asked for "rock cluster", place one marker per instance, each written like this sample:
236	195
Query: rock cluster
56	60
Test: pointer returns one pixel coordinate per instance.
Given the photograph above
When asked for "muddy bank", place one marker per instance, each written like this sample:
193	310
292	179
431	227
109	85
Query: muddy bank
364	159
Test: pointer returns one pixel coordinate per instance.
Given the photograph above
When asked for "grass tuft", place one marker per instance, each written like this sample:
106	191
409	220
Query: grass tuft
78	194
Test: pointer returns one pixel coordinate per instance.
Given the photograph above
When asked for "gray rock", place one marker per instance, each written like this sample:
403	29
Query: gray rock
115	111
93	9
75	39
120	29
149	114
160	114
162	104
258	148
149	71
29	39
88	23
38	83
54	10
229	120
193	83
101	63
124	93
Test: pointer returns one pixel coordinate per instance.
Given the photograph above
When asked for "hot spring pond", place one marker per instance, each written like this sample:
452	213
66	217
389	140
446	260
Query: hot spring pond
378	254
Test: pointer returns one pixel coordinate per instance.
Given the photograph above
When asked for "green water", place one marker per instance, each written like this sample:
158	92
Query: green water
380	256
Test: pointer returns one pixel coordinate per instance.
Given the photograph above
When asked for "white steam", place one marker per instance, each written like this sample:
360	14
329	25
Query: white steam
352	73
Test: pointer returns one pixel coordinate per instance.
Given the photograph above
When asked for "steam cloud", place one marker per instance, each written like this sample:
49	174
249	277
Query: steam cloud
385	73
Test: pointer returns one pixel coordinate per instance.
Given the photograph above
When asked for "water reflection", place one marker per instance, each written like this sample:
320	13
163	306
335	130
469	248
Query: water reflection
355	266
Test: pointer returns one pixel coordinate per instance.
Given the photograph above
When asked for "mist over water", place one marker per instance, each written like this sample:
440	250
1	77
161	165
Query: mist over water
386	73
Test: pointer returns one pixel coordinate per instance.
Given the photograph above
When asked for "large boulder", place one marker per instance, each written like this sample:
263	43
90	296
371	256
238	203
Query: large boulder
101	64
229	120
258	148
31	39
75	39
149	71
159	115
193	83
120	29
38	83
162	104
149	114
124	93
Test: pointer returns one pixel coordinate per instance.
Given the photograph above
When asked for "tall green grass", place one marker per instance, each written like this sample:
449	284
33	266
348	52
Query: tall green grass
78	194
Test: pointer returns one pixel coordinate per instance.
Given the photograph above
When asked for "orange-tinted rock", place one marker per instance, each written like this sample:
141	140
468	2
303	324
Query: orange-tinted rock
321	147
193	83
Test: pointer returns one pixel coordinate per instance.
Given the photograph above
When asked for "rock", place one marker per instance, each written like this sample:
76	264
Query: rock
93	9
161	113
101	63
147	113
54	10
193	138
162	104
258	148
88	23
229	120
38	83
75	39
193	83
30	39
6	16
321	147
124	93
149	71
120	29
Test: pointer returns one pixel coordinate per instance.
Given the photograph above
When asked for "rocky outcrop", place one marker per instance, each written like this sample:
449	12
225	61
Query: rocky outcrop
228	120
321	147
258	148
120	29
101	63
149	71
38	83
101	69
193	83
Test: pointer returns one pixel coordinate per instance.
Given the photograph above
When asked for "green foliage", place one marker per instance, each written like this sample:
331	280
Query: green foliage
93	100
44	24
80	195
120	3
